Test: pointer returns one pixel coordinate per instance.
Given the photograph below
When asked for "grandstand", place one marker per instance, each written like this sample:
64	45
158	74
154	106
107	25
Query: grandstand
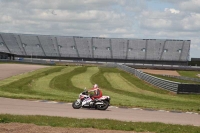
150	51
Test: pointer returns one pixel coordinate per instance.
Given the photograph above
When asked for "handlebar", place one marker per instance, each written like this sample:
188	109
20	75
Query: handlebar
85	92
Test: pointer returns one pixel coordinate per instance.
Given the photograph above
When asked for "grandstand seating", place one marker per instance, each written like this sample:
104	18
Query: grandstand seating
101	48
66	46
119	48
95	47
137	48
172	48
31	45
11	43
3	47
154	49
84	47
49	47
18	40
185	50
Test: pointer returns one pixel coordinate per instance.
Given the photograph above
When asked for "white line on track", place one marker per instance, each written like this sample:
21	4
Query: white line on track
51	102
189	112
137	108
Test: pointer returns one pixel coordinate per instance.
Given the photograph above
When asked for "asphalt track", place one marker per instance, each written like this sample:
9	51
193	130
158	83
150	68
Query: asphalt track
51	108
8	70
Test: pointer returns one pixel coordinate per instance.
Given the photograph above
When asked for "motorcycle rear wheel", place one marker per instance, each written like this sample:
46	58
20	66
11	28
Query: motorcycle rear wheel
104	106
76	104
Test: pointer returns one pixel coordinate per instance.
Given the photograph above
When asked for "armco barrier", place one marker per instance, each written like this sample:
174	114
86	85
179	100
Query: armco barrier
161	83
175	87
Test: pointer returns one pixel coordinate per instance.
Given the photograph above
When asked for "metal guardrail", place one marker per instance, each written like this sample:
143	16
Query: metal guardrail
175	87
161	83
172	86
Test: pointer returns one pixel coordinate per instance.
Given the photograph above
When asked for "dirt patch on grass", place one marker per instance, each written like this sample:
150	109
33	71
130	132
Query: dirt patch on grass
8	70
31	128
160	72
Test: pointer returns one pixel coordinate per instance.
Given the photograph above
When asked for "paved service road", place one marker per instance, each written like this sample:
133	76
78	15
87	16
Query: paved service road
24	107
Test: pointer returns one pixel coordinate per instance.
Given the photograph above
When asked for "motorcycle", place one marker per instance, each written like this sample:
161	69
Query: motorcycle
85	101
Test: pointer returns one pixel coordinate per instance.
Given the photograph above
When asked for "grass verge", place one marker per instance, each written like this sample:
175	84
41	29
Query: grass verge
99	124
42	85
192	74
63	81
175	79
22	87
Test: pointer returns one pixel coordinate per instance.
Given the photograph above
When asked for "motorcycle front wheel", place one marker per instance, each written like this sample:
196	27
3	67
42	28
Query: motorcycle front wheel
104	106
77	104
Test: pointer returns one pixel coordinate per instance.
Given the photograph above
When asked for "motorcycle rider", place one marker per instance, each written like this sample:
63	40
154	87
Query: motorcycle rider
97	92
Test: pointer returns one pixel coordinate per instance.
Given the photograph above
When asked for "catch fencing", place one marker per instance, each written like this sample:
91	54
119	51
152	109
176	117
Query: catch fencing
175	87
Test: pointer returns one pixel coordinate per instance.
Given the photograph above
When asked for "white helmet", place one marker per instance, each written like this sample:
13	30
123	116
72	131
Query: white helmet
95	86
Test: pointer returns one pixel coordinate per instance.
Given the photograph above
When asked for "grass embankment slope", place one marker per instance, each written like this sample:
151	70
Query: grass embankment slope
65	83
34	85
192	74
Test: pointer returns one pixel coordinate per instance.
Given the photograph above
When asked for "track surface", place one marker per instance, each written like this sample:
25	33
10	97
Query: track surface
24	107
8	70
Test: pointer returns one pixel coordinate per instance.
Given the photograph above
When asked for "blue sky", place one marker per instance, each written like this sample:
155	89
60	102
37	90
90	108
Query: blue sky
157	5
157	19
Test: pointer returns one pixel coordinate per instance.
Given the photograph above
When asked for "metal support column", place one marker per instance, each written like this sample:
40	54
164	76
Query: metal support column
127	49
76	47
54	48
18	44
181	51
111	52
41	45
188	57
58	47
146	46
163	49
92	43
5	43
22	44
